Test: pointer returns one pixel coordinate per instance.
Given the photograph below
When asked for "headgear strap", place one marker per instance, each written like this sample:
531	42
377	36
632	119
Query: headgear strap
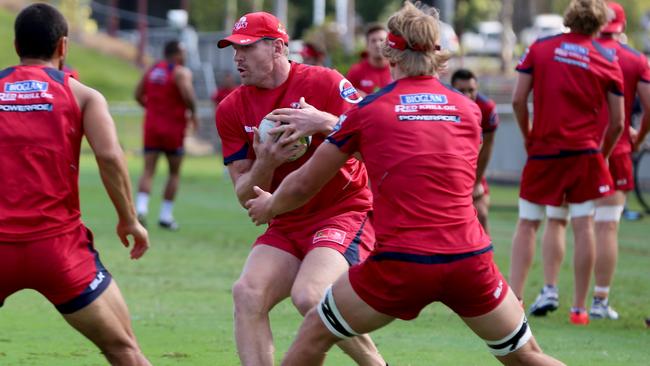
399	43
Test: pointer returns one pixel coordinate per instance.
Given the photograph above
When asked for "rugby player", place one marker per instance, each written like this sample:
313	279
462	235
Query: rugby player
305	250
572	77
167	95
44	245
465	82
636	78
372	72
419	140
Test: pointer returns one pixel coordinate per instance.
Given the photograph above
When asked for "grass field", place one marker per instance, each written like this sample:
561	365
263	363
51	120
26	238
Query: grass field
180	299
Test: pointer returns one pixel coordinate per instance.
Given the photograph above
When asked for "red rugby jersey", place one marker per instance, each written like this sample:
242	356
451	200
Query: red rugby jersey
368	78
40	137
326	90
572	74
164	106
489	115
635	69
419	140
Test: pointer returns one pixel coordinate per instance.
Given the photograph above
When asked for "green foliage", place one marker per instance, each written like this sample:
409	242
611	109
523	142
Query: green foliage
470	12
115	78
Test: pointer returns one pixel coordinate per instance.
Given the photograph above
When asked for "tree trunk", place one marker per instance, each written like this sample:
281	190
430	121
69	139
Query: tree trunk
508	38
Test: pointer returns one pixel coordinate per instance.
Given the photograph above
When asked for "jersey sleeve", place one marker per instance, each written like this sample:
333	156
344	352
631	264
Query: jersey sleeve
615	84
346	134
489	117
526	63
234	142
342	94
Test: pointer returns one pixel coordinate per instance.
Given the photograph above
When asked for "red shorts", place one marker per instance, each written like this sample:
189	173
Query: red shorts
351	234
169	141
570	179
66	269
402	284
620	167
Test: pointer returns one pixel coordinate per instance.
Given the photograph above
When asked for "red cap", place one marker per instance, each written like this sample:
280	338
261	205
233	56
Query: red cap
309	50
254	26
616	18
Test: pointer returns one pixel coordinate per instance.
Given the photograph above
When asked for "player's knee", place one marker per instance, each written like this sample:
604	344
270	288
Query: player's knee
331	317
122	351
247	297
305	299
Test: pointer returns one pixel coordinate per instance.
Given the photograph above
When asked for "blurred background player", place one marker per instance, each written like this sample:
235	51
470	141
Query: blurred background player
313	54
636	78
430	245
372	72
227	85
465	82
44	245
167	95
303	251
570	76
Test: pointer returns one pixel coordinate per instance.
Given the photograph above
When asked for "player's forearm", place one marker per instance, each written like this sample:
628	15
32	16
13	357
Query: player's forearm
294	192
520	107
326	125
484	155
259	176
115	178
644	128
613	133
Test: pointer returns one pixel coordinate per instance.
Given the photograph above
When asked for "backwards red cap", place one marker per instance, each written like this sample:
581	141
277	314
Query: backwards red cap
616	18
254	26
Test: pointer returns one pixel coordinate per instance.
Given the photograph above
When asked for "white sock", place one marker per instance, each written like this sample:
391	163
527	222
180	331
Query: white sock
142	203
166	211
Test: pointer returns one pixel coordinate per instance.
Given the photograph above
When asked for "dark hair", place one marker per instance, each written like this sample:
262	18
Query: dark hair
172	48
462	74
38	29
374	27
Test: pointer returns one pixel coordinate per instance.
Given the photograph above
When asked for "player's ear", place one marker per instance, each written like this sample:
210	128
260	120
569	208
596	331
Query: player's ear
61	48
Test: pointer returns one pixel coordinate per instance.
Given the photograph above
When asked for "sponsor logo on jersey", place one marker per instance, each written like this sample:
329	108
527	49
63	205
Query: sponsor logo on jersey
425	98
330	234
604	188
621	182
47	107
241	24
158	76
26	86
348	92
423	107
366	83
429	118
574	48
248	129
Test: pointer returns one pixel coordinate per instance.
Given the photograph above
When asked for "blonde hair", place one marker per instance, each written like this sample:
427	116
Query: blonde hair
419	25
586	16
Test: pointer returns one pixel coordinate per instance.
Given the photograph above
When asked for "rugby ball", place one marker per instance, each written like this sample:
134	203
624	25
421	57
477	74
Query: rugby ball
300	147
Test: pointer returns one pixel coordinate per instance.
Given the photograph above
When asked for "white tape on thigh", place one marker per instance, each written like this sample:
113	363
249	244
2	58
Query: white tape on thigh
608	213
557	212
581	209
530	211
332	318
513	341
